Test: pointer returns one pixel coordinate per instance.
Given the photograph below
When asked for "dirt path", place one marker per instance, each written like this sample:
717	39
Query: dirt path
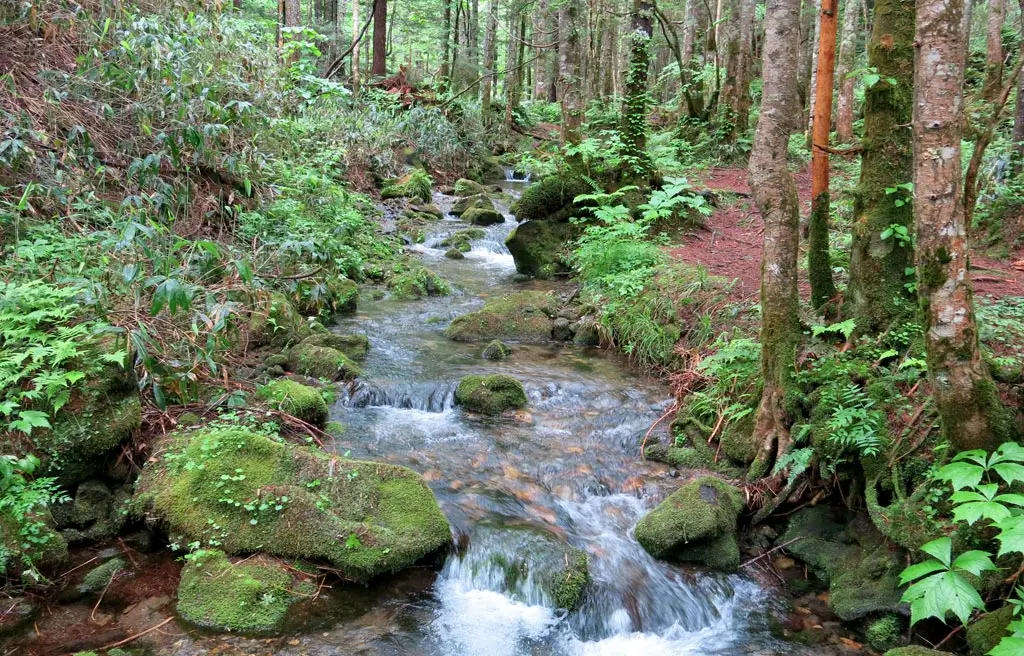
729	245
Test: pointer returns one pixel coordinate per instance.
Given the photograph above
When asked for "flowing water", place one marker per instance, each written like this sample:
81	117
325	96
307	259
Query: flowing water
564	470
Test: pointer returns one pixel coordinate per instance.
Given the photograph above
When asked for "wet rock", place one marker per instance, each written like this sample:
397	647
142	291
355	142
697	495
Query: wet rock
519	317
570	582
482	216
418	282
462	239
331	294
354	346
322	362
100	577
847	552
454	254
274	321
364	518
490	395
570	312
540	248
584	332
560	331
497	350
550	199
296	399
416	184
479	201
465	187
97	513
521	277
250	597
988	630
431	210
15	614
697	523
915	651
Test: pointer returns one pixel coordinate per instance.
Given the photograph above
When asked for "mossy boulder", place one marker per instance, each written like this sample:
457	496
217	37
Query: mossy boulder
736	440
847	552
430	210
47	551
885	632
416	283
416	184
465	187
550	199
322	362
100	576
696	523
490	395
570	583
252	596
482	216
497	350
462	240
478	201
96	513
540	248
454	254
915	651
520	317
988	630
324	296
251	493
355	346
274	321
296	399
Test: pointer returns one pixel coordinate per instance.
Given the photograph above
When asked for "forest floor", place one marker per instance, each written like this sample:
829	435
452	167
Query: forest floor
729	244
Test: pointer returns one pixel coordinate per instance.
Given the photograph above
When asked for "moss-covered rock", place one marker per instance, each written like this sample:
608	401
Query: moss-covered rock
18	614
248	493
465	187
96	513
296	399
550	199
462	240
250	597
327	295
570	583
496	350
737	440
321	362
540	248
490	395
885	632
418	282
454	254
100	576
696	523
274	321
478	201
355	346
988	630
416	184
915	651
847	552
47	551
519	317
482	216
430	210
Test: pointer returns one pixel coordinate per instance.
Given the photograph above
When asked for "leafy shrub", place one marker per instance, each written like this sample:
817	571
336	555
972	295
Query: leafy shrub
23	505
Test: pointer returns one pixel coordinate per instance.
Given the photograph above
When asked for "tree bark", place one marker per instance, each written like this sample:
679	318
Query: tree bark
292	13
490	56
694	33
847	61
775	194
635	97
355	46
819	263
877	294
380	33
513	75
813	46
965	395
994	50
540	64
569	82
446	44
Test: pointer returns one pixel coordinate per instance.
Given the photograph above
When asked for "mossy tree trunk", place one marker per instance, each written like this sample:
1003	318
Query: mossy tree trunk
637	98
490	52
819	263
695	30
775	195
965	395
877	294
513	74
846	62
570	90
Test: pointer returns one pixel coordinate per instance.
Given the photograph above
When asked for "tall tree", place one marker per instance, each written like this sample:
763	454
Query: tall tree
695	29
994	50
965	395
635	99
569	82
846	62
490	51
881	254
446	44
380	40
775	195
513	67
355	45
819	263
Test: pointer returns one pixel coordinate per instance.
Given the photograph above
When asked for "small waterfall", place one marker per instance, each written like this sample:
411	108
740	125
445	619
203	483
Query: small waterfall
430	396
511	175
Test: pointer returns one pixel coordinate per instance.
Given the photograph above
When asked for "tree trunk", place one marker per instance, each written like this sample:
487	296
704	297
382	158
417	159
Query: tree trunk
994	50
569	82
694	32
513	77
473	39
812	62
446	44
819	263
847	61
965	395
490	55
607	68
877	294
380	33
775	194
1018	119
540	64
744	66
635	97
292	13
968	15
355	46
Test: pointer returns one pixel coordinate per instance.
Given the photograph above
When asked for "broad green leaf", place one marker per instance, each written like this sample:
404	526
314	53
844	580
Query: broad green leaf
940	549
1009	471
975	562
975	510
974	455
920	569
1015	499
1011	535
940	594
1008	646
961	474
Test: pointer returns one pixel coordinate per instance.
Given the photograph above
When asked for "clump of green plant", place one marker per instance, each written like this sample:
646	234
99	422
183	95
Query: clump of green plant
23	507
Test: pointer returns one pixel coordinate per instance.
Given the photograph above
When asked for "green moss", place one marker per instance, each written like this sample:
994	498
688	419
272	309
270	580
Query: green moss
274	321
519	317
915	651
99	577
77	445
482	216
354	346
738	443
988	630
454	254
251	597
550	199
885	632
688	524
463	205
721	552
244	492
540	248
490	395
418	282
343	294
48	551
461	240
496	350
416	184
296	399
571	582
321	362
464	187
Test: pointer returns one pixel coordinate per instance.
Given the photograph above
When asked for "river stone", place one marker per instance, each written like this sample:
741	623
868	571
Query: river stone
431	210
519	317
490	395
696	523
296	399
540	248
561	332
482	217
321	362
16	614
465	187
496	350
550	199
364	518
846	551
354	346
252	596
584	332
416	283
274	321
479	201
454	254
